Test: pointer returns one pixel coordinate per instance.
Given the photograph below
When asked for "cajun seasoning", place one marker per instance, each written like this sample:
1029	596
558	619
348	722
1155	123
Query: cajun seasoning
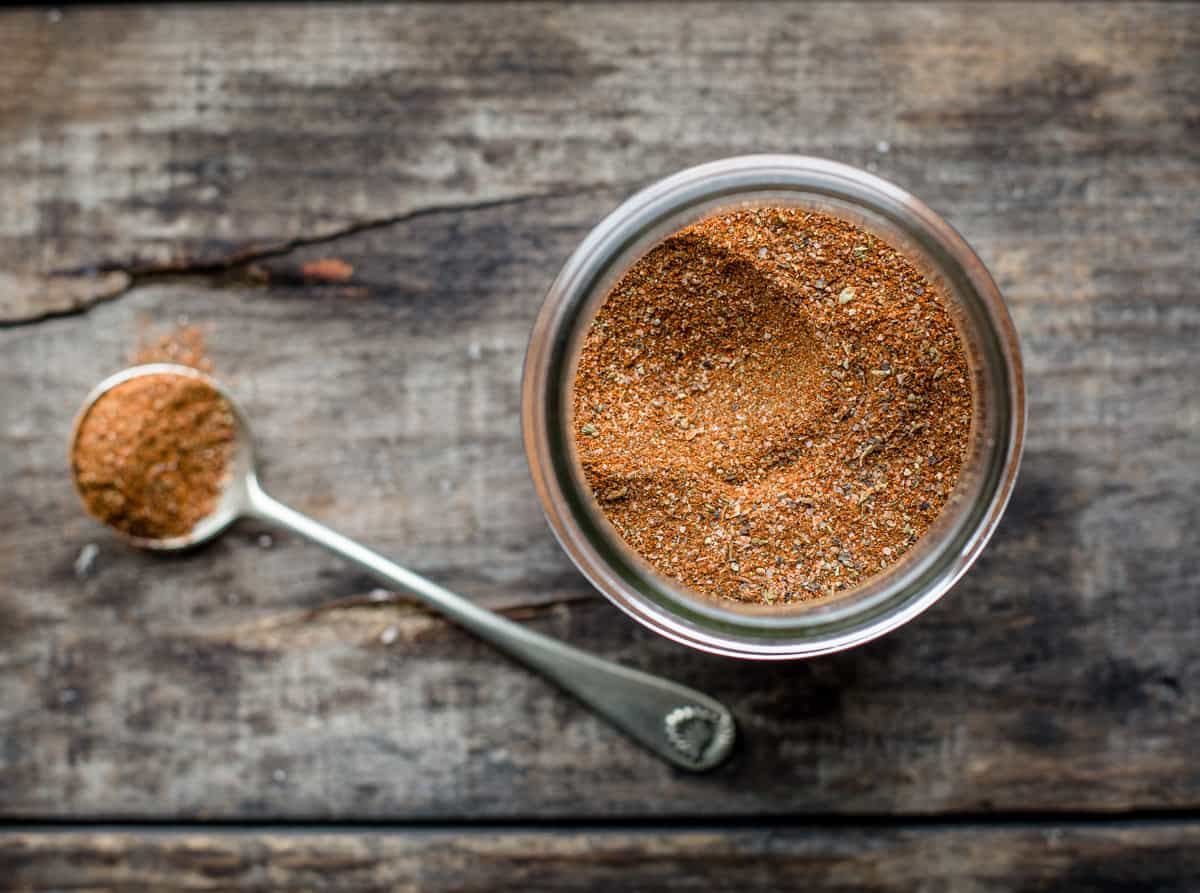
152	455
772	405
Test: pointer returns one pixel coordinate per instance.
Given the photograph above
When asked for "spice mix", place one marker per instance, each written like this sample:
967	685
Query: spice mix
151	456
772	405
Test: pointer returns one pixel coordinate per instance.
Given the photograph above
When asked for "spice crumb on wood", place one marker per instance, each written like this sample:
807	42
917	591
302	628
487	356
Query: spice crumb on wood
186	345
780	399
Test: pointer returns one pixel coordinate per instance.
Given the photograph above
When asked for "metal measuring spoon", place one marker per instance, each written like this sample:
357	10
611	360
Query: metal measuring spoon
683	726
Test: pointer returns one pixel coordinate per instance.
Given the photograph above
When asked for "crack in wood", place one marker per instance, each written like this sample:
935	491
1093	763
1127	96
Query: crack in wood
522	610
379	615
32	297
77	291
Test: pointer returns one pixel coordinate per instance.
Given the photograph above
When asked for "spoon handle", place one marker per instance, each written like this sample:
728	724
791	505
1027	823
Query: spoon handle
683	726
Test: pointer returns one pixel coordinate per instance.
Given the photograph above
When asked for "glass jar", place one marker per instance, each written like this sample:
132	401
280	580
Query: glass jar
879	604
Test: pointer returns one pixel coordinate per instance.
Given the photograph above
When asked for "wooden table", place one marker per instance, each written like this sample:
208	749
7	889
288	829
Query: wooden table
209	721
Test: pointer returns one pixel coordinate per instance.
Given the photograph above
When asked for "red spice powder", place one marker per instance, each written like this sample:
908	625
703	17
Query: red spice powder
151	456
772	405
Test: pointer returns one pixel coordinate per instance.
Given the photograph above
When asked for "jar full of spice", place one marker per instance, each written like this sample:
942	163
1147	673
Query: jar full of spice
773	407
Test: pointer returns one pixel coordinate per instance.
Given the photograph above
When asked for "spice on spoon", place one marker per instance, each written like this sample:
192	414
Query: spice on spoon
772	405
152	455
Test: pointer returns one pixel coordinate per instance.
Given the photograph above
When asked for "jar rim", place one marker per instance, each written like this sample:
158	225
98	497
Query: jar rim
731	629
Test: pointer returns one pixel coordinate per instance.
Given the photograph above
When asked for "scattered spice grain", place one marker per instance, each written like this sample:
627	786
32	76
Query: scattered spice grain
185	345
772	405
151	456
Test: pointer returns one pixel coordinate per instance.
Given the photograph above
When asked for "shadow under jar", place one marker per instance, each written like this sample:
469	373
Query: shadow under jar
898	592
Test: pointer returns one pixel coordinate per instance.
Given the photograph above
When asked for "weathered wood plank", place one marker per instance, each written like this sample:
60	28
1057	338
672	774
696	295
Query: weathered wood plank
1062	673
1158	857
154	686
165	137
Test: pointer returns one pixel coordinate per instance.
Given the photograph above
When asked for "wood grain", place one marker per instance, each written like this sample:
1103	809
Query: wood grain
968	860
453	157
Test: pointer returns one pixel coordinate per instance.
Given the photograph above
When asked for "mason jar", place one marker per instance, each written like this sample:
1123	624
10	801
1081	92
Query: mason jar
897	593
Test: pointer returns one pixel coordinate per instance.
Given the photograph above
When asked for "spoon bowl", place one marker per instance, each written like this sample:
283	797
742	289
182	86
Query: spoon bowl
233	501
